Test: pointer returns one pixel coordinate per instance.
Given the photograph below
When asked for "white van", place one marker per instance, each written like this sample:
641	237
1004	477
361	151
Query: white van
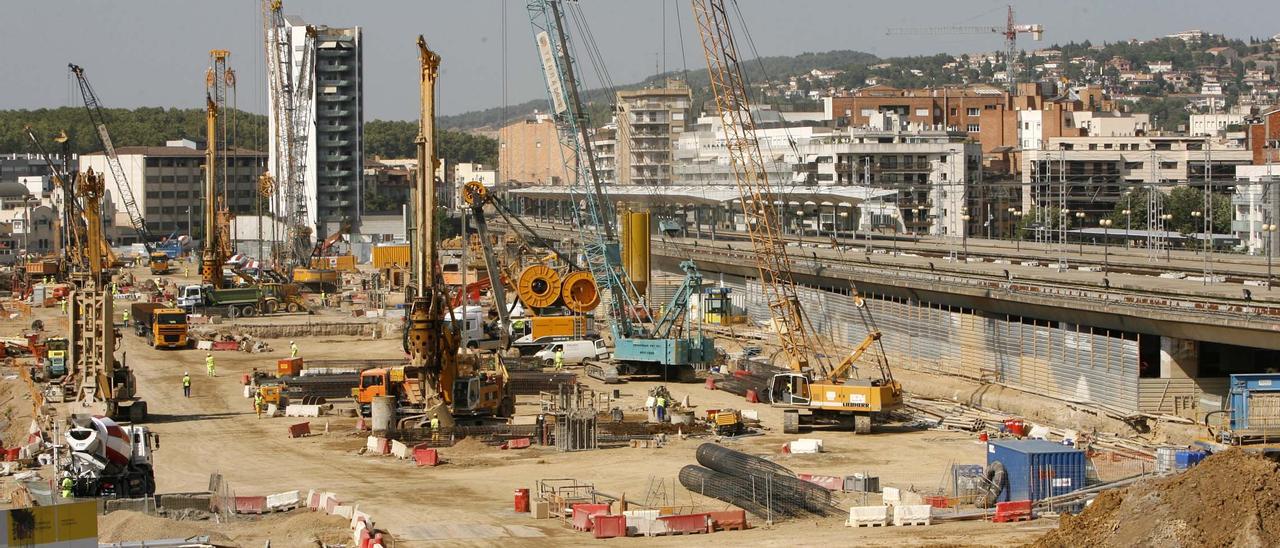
478	332
575	352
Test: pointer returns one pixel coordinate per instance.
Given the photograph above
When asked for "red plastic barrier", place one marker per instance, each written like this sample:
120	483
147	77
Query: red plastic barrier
938	501
517	443
245	379
251	505
226	345
583	512
711	383
522	500
687	523
1018	510
752	397
606	526
11	455
314	502
300	429
728	519
425	456
827	482
1016	427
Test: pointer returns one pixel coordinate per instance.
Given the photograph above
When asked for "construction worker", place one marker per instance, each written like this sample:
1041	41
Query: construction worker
324	298
559	357
258	404
63	302
126	318
435	427
661	408
293	349
67	484
186	384
210	370
186	271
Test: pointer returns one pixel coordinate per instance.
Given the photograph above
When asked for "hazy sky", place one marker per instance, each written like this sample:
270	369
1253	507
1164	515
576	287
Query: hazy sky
154	52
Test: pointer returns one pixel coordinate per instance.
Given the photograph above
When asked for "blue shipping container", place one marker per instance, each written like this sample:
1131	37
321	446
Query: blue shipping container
1037	469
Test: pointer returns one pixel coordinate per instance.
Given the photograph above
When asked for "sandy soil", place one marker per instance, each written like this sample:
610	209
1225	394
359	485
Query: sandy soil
216	431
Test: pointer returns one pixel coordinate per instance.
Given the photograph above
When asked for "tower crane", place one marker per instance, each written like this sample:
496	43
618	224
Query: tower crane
1010	30
290	103
813	384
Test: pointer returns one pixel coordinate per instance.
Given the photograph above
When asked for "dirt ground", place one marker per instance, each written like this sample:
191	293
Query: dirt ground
297	528
1230	499
468	500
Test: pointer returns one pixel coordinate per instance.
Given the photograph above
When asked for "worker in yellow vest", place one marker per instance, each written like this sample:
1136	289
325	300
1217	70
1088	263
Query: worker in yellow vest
559	358
67	485
435	428
126	318
186	384
293	349
258	404
210	370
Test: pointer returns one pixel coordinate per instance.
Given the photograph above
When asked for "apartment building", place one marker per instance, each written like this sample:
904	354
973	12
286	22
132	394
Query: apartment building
1095	172
1264	137
946	107
927	172
335	144
649	122
530	153
168	185
1214	125
604	147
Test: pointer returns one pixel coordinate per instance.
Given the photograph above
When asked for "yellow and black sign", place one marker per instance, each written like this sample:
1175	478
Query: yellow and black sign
71	525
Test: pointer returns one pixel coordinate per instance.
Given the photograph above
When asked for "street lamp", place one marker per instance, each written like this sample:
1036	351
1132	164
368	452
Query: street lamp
1080	223
1168	248
1106	244
1017	225
964	233
1128	220
1010	218
1195	215
1269	230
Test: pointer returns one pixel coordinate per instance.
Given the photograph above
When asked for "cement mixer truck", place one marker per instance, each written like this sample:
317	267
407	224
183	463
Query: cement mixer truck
109	460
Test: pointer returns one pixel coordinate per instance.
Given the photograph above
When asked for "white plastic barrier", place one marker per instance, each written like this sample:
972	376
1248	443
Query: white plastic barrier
913	514
868	516
296	410
806	445
287	499
891	496
401	450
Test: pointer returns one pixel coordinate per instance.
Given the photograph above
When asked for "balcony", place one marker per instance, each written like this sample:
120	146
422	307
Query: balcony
332	128
334	112
340	67
334	97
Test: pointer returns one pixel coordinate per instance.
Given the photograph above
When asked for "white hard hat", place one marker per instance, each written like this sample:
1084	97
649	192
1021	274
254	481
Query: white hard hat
290	342
186	372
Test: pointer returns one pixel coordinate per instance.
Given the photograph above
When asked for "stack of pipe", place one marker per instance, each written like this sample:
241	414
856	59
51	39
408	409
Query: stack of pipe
759	486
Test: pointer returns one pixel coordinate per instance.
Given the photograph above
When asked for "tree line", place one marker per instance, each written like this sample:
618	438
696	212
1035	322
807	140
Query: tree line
152	126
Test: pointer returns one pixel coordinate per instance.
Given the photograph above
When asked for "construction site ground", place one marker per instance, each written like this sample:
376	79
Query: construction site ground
468	500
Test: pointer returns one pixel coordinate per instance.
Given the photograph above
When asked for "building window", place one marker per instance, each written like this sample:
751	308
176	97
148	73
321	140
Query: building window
1067	146
1133	165
973	111
1168	165
166	178
1093	146
1107	146
1164	146
954	111
973	128
151	194
1195	146
922	112
183	194
868	112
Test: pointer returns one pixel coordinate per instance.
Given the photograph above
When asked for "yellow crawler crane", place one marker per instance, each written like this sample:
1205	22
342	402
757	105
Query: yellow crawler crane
824	393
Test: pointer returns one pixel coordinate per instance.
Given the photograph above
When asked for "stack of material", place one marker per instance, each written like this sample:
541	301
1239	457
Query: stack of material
764	488
750	375
531	383
968	418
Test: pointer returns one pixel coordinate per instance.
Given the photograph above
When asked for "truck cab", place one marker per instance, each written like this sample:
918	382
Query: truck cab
478	331
55	361
169	328
159	262
190	297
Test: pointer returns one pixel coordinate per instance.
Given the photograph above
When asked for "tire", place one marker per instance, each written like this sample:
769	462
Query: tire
548	363
233	312
270	307
862	423
249	311
291	307
790	422
472	345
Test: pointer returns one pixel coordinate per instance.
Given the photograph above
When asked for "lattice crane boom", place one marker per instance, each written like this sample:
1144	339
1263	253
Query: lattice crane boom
94	108
290	98
773	264
595	220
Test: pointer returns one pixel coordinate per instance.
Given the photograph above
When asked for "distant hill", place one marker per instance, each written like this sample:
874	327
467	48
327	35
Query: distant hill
756	70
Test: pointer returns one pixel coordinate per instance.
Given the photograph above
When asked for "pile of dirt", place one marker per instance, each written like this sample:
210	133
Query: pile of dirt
15	410
297	528
1230	499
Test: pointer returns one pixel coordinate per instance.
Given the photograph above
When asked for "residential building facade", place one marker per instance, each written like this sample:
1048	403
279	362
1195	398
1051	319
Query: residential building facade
530	153
649	122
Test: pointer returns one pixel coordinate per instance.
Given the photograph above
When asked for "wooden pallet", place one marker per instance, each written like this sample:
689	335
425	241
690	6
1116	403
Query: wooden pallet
869	524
